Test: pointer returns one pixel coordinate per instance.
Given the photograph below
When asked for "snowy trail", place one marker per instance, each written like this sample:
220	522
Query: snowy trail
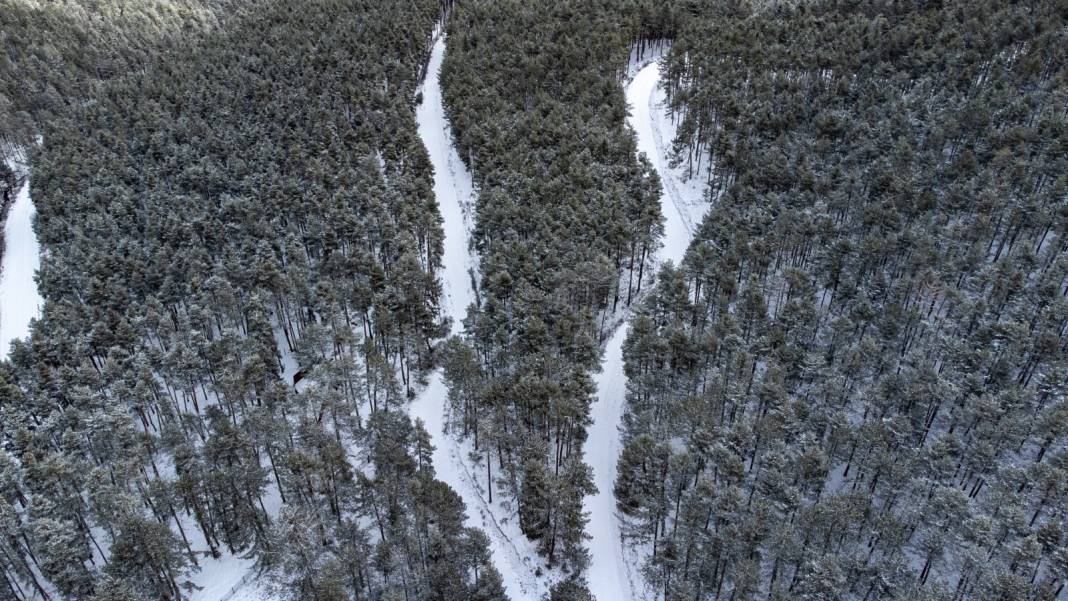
611	577
655	134
453	188
20	300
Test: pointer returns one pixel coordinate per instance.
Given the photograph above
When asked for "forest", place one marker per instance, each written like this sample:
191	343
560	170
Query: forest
554	163
213	220
854	386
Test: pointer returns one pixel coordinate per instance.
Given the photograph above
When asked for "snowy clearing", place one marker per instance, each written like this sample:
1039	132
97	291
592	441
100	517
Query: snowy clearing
20	300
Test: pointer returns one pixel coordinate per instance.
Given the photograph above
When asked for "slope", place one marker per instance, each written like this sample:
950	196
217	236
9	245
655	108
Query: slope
19	299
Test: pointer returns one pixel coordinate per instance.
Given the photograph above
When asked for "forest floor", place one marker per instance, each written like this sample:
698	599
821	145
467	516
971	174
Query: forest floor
614	573
19	299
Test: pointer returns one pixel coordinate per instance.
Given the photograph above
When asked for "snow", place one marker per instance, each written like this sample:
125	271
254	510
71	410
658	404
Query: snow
613	574
512	554
453	189
254	591
640	57
656	131
20	300
220	578
231	576
609	575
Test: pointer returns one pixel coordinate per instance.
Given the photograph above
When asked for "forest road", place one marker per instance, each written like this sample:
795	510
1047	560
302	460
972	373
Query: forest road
611	575
20	301
454	191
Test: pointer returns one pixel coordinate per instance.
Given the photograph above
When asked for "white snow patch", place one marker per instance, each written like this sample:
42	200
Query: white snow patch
656	131
222	578
453	189
610	576
20	301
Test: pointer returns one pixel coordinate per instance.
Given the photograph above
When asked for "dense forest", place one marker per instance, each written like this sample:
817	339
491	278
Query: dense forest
58	52
854	385
8	184
216	221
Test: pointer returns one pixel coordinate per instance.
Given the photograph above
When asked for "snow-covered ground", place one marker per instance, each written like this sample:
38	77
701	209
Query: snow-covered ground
223	578
642	56
453	190
613	574
512	553
19	299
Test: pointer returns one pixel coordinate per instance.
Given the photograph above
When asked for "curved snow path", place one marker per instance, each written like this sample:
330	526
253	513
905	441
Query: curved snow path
610	575
20	300
453	189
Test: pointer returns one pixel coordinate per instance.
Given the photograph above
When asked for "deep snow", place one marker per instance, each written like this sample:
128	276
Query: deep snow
613	574
20	300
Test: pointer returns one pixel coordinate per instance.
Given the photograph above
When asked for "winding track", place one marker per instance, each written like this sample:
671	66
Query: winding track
610	575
